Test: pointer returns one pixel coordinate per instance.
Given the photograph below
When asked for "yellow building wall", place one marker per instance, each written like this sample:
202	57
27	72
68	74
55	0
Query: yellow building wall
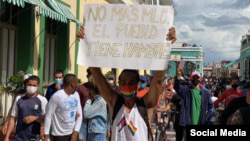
36	43
72	36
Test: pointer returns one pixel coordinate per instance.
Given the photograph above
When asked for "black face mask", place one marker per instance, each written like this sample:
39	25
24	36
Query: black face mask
195	81
235	86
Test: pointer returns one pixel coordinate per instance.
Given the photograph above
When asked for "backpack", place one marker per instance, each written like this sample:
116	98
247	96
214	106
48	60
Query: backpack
141	108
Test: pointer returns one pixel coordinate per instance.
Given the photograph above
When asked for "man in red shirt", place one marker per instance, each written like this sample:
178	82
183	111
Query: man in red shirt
230	93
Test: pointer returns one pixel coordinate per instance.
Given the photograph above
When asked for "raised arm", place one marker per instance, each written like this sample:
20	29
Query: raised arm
106	91
155	89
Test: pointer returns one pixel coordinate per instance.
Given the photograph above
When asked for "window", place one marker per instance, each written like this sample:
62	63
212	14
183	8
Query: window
7	53
49	58
8	20
9	13
49	51
51	26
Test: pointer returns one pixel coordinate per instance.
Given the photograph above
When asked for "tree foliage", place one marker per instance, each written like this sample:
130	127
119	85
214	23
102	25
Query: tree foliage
14	84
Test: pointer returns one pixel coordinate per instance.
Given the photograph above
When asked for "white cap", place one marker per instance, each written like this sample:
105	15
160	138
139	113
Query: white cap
26	76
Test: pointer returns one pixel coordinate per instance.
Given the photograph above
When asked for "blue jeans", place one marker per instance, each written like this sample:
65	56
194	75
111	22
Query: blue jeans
96	137
83	131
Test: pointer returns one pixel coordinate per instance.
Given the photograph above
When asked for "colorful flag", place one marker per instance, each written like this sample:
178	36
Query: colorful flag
122	123
132	128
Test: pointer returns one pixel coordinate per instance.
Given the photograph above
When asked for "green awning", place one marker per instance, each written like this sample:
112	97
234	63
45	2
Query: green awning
245	55
19	3
230	64
46	11
68	13
63	9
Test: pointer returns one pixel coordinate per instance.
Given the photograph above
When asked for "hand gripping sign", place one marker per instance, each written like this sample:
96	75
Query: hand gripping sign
126	36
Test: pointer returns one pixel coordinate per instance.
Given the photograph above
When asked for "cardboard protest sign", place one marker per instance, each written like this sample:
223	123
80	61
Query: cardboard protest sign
126	36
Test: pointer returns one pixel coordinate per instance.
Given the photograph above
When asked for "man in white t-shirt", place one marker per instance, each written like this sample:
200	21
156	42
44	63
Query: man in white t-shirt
64	112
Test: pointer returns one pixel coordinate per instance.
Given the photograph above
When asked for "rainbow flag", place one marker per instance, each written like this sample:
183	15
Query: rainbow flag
132	128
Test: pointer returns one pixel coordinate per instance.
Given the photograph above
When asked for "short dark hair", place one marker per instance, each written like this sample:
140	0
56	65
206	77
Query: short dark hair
68	78
131	71
58	71
34	78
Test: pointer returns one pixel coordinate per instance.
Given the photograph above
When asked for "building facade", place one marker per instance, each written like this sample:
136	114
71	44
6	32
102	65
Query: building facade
189	57
241	65
38	37
244	59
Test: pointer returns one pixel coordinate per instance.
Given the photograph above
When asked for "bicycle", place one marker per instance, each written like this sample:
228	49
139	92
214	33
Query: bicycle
161	127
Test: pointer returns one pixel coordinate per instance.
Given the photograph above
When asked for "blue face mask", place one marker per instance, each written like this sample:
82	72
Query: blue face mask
58	81
143	85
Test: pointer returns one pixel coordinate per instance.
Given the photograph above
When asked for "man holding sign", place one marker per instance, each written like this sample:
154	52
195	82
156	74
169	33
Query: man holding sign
128	124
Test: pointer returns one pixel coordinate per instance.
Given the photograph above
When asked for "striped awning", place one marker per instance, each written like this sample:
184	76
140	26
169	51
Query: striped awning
43	9
19	3
64	10
46	11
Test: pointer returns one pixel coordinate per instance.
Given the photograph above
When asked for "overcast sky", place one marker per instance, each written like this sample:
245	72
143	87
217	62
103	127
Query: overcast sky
217	25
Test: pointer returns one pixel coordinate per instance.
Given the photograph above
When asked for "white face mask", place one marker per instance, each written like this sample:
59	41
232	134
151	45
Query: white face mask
111	81
228	86
31	89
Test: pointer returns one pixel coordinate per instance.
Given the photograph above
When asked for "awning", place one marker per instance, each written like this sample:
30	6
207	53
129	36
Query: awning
46	11
63	9
19	3
247	54
230	64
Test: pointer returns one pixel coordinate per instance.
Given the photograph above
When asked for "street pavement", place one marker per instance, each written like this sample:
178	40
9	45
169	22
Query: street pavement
171	133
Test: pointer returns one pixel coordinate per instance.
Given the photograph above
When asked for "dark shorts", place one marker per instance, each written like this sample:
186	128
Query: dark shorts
61	138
